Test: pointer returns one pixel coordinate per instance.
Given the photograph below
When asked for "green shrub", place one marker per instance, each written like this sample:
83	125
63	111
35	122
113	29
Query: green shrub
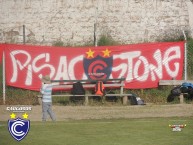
106	40
171	35
190	58
58	43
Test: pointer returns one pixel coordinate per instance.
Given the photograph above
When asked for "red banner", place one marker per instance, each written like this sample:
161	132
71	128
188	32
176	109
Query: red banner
1	52
143	65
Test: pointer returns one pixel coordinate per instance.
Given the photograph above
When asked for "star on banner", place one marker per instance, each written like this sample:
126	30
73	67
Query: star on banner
106	53
13	115
90	53
25	116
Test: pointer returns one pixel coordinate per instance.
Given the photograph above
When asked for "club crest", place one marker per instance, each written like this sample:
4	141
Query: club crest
98	67
18	128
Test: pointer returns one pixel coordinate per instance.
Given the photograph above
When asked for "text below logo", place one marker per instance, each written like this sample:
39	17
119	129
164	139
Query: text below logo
19	108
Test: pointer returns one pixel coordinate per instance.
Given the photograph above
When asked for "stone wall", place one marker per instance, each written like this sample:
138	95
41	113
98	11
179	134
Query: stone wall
72	21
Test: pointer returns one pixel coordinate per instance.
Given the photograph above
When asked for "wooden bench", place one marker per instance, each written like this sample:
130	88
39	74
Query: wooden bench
90	84
175	83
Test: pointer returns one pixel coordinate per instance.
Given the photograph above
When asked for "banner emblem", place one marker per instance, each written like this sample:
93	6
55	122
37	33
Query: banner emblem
98	68
18	128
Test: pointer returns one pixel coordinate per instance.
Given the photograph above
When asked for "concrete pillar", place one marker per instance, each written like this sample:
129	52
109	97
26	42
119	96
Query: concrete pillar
181	98
86	100
125	100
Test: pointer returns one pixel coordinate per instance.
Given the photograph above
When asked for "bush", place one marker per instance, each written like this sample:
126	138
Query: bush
58	43
106	40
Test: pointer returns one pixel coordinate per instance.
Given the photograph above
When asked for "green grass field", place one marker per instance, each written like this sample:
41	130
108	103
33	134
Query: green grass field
151	131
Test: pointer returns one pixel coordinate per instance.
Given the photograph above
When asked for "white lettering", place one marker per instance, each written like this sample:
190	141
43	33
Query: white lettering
168	57
142	61
19	108
129	56
71	66
156	70
45	65
62	72
16	63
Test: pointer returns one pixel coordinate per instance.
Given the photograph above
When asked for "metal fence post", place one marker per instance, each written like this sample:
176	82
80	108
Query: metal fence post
95	28
23	34
4	93
185	56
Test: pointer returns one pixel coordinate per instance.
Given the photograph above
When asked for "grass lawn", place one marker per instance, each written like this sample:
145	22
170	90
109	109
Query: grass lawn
151	131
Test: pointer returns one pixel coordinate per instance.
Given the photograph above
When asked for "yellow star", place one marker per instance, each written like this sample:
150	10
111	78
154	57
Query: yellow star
13	115
106	53
25	116
90	53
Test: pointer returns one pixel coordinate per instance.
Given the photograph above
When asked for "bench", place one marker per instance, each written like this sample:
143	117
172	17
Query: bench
90	84
175	83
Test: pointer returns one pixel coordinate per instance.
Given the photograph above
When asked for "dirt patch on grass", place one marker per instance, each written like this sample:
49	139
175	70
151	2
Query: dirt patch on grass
105	112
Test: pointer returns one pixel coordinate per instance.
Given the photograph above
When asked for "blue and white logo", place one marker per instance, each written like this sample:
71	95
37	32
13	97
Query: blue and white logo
18	128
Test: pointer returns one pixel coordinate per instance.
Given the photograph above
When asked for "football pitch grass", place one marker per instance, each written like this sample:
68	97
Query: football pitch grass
147	131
